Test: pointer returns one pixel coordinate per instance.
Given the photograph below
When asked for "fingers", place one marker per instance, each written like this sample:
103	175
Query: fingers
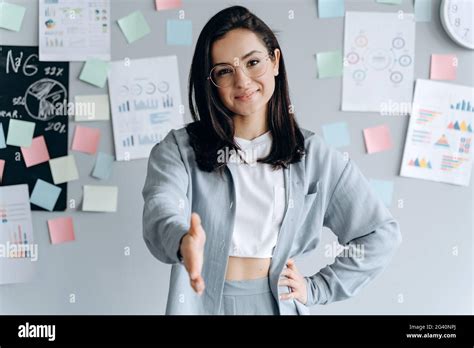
289	296
195	223
290	273
289	282
198	285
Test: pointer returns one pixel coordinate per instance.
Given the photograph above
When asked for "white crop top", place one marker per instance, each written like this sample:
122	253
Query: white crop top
260	200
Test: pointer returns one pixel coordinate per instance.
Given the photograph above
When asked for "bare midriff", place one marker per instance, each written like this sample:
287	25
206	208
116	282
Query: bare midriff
244	268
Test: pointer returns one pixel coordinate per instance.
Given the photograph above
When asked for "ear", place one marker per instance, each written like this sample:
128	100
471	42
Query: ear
276	63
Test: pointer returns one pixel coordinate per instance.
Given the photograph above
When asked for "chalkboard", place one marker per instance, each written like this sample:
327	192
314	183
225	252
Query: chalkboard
37	92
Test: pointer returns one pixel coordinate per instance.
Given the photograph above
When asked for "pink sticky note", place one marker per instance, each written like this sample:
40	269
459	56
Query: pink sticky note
86	139
2	167
377	139
37	153
443	67
61	230
167	4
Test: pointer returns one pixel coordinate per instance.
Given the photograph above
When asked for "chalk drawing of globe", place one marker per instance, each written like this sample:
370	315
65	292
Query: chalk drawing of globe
45	99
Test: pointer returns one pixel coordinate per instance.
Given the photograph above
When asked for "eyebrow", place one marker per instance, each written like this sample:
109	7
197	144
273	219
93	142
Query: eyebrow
243	57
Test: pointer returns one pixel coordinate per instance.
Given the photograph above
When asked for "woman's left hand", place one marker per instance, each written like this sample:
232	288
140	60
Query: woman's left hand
295	280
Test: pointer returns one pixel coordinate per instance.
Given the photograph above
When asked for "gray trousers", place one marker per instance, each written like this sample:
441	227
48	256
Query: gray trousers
248	297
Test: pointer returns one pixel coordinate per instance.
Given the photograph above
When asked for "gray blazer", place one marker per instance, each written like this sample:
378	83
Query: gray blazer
323	189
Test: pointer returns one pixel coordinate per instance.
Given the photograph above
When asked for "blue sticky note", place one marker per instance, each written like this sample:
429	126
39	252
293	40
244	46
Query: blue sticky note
11	16
179	32
331	8
423	10
337	134
384	189
2	138
95	72
390	2
103	166
45	195
134	26
20	133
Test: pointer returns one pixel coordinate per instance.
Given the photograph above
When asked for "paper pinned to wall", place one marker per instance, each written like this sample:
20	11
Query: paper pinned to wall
18	251
379	63
439	137
145	104
74	30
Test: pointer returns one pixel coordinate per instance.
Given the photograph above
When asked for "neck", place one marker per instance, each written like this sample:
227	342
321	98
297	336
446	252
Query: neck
250	127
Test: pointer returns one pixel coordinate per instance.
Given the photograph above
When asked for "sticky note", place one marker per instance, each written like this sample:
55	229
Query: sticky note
422	10
384	190
329	64
61	230
86	139
390	2
377	139
63	169
134	26
162	5
11	16
95	72
100	198
45	195
37	153
331	8
20	133
92	108
336	134
179	32
2	167
443	67
103	166
2	137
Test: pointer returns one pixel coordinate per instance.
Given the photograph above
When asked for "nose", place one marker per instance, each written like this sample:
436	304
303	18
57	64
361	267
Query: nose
240	78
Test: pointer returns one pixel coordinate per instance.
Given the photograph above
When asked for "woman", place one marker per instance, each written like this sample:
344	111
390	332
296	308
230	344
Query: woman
233	197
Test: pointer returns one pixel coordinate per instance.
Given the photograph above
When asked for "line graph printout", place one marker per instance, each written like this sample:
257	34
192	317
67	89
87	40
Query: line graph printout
378	64
18	252
74	30
440	132
145	104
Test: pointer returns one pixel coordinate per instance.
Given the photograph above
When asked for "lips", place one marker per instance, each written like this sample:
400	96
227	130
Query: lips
246	95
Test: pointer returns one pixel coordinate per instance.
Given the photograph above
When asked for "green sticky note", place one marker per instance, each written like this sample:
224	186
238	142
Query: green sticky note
63	169
134	26
391	2
20	133
329	64
11	16
95	72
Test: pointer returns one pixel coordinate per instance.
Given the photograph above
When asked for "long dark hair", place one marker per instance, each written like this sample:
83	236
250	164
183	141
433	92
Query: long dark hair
213	129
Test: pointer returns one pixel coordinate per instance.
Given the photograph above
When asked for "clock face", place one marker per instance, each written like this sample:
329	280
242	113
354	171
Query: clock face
457	18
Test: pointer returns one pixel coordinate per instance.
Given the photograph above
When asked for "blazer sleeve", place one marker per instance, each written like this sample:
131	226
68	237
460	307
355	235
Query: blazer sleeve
164	219
359	218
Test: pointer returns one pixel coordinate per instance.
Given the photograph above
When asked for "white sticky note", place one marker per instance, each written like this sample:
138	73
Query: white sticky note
100	198
92	108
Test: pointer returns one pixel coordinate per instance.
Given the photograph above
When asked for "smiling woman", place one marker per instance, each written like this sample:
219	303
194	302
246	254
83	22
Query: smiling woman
232	228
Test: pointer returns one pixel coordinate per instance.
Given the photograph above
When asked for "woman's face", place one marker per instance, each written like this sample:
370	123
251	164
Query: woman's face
245	96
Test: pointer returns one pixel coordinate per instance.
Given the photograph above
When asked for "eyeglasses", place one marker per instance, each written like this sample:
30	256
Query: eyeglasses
223	75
